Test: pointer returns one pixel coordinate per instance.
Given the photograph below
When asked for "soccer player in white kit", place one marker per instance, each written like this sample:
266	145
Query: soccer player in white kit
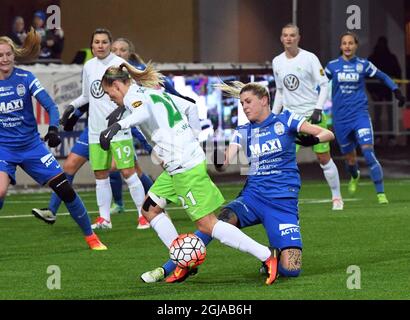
122	148
298	73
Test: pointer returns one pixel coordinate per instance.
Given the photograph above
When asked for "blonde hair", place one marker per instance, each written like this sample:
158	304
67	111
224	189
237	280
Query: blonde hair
149	77
291	25
30	48
237	88
131	48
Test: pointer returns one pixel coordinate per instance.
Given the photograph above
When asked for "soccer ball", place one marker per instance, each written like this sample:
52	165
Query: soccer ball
187	251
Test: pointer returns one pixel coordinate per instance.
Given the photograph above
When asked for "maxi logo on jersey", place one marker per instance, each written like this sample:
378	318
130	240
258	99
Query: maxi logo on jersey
96	89
348	77
270	146
13	105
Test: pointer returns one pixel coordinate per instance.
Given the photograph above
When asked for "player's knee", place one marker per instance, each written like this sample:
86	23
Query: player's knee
148	206
229	216
369	156
63	188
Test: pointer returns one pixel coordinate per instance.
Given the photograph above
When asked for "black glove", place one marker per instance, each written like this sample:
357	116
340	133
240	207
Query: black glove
399	96
107	135
316	116
306	140
115	116
69	118
52	137
218	157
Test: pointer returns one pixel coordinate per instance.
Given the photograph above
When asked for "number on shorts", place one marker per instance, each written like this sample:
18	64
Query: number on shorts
121	151
191	198
174	116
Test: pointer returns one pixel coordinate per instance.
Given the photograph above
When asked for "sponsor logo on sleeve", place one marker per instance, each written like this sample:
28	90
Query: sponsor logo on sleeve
137	104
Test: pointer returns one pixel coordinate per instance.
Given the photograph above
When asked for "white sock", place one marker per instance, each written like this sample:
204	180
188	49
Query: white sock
136	191
235	238
104	197
165	229
332	176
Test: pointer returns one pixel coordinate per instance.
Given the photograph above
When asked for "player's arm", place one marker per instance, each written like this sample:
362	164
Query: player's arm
372	71
312	135
322	81
191	111
41	95
278	99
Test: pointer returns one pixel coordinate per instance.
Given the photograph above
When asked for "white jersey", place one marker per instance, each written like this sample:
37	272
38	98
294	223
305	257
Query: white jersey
100	103
162	118
299	78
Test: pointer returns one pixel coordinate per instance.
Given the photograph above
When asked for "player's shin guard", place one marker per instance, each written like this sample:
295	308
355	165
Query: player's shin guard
376	171
104	197
79	213
235	238
165	229
283	272
55	200
136	191
353	170
332	177
116	187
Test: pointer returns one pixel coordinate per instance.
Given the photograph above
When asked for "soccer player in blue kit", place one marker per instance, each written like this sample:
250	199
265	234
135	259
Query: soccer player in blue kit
351	121
21	144
270	195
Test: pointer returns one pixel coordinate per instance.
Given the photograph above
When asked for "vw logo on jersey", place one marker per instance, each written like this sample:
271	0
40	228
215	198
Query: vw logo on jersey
21	90
279	128
359	67
96	89
291	82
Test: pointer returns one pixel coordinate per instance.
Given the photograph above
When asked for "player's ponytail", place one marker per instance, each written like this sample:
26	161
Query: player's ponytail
237	88
30	48
149	77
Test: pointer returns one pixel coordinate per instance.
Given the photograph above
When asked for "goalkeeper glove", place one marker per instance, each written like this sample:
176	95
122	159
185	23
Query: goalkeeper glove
52	137
107	135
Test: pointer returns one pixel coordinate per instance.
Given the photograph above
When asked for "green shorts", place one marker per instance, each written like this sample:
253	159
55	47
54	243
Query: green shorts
122	151
194	189
322	147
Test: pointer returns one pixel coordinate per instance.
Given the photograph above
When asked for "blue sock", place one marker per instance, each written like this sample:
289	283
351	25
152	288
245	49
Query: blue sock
79	213
376	171
170	266
146	182
116	187
287	273
55	201
353	170
1	203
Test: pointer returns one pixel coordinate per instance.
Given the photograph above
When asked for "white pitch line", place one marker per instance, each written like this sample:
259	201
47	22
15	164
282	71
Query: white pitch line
303	201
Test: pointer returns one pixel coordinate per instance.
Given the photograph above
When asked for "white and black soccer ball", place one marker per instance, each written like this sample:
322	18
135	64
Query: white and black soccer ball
187	251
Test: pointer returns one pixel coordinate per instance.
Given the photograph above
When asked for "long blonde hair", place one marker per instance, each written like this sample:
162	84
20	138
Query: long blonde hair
30	48
237	88
149	77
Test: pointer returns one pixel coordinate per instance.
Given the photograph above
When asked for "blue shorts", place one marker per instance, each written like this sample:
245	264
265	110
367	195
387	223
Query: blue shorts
36	160
81	145
279	217
357	132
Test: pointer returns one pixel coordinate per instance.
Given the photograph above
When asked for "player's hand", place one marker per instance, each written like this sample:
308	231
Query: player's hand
399	96
219	160
69	118
306	140
52	137
107	135
115	116
316	116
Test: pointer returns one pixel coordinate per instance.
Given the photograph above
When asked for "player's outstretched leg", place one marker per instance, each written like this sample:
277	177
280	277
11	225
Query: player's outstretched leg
376	173
116	187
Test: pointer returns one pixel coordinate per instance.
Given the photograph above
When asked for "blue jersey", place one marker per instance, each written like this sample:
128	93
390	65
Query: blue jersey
349	99
18	126
271	151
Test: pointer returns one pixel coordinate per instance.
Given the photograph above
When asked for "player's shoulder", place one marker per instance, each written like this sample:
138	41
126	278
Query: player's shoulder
361	60
285	116
278	58
135	96
243	127
308	54
333	62
21	73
